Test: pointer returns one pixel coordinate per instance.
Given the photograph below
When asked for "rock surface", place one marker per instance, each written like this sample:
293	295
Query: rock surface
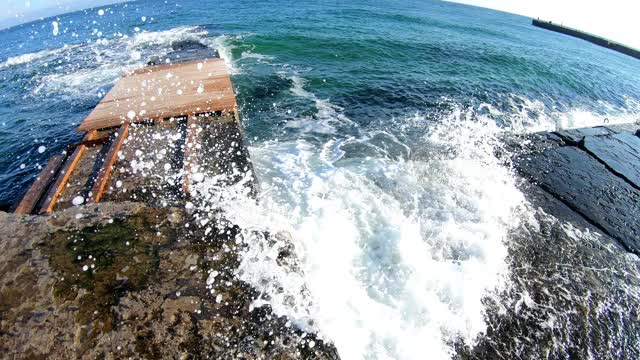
128	281
572	289
560	303
619	152
595	172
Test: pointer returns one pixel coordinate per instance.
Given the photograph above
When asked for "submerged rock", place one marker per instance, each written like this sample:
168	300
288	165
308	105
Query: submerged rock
128	281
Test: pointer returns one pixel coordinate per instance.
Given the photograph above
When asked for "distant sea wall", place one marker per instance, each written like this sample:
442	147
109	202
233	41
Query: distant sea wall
589	37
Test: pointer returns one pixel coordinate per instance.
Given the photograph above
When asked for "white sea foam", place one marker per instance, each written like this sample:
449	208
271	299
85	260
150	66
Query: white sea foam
393	257
327	117
166	37
526	116
30	57
222	44
258	57
113	57
84	82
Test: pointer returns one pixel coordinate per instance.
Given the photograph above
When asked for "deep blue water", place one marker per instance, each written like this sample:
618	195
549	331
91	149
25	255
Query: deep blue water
372	125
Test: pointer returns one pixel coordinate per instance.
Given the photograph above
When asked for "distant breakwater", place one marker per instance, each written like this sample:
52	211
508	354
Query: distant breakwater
588	37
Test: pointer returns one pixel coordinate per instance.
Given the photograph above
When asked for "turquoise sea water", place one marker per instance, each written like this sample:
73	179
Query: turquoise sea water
377	60
373	126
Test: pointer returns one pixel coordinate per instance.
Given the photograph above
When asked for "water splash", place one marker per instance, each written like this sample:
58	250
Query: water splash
389	257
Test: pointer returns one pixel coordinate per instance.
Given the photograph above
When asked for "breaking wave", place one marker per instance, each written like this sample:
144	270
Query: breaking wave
86	69
394	245
526	116
30	57
390	256
395	256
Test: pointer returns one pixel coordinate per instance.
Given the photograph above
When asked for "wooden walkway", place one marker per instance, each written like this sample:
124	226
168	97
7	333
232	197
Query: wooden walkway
163	91
188	91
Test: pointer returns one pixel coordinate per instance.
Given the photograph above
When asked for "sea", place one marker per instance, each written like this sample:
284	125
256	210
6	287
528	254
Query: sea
375	131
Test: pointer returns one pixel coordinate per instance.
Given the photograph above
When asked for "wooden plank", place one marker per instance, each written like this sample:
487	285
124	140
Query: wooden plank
190	150
109	161
39	186
163	91
65	173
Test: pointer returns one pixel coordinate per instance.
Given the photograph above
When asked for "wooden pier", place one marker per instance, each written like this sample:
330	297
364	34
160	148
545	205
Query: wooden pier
615	46
164	115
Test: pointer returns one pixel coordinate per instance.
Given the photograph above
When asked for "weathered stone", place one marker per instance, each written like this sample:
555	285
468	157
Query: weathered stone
628	127
145	297
620	152
574	136
568	271
589	188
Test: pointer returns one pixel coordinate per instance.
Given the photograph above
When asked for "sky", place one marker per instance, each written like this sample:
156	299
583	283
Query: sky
617	20
14	12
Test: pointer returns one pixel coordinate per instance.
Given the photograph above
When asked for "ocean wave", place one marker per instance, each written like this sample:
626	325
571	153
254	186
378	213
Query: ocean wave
328	116
524	115
30	57
166	37
393	257
225	47
92	66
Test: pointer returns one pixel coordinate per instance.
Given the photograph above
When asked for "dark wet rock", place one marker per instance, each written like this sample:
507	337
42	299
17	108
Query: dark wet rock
225	154
571	292
589	188
574	136
532	143
188	45
619	152
127	281
621	128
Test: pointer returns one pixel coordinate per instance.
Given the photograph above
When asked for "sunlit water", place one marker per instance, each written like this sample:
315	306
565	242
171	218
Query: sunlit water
374	129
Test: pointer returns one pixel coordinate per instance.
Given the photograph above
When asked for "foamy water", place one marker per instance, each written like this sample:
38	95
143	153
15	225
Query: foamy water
108	58
396	256
391	258
395	244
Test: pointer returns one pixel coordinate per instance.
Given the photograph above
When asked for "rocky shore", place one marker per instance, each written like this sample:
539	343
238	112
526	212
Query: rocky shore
574	272
123	280
133	280
594	171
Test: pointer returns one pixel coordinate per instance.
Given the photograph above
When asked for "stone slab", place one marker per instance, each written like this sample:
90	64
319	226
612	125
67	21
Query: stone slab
629	127
576	135
589	188
620	152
